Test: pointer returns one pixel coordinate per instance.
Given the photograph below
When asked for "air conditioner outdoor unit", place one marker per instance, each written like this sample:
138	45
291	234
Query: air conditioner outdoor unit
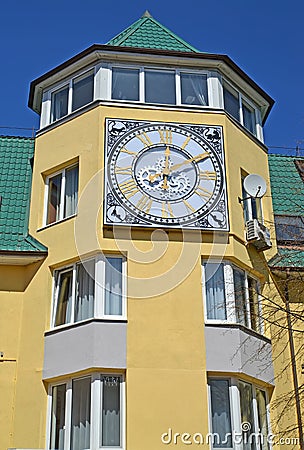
258	235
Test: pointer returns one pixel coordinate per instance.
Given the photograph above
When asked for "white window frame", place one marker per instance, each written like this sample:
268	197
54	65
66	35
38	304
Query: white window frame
230	296
62	194
96	409
226	84
99	283
235	409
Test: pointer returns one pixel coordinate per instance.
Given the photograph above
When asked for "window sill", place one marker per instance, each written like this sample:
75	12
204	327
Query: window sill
49	225
70	326
222	324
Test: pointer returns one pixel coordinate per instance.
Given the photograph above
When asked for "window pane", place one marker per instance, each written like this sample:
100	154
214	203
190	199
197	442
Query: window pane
160	87
220	410
262	418
60	103
85	282
82	91
249	118
125	84
247	414
81	414
111	412
113	286
64	298
215	291
71	191
254	304
194	89
54	193
256	208
58	417
231	101
240	296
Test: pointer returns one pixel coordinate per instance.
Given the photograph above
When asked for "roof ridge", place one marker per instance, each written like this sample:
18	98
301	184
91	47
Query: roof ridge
129	31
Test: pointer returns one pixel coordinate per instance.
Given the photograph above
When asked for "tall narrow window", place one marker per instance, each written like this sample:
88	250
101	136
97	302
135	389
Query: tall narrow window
194	89
160	87
111	412
58	417
64	293
246	403
215	291
252	206
113	286
249	117
262	418
81	414
254	304
83	88
231	102
240	296
220	411
125	84
59	103
62	195
85	290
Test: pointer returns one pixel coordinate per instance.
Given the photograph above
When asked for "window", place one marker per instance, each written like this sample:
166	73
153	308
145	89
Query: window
87	413
87	289
252	206
289	229
240	108
79	91
125	84
232	296
234	403
194	89
61	194
160	87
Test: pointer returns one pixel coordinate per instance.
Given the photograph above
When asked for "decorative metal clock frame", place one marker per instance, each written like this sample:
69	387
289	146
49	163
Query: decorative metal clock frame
169	175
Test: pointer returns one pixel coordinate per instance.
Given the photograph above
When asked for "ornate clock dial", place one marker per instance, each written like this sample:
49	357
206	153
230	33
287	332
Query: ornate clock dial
162	174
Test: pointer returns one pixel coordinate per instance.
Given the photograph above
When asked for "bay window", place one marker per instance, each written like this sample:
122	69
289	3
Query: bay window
125	84
87	412
238	411
231	295
88	289
194	89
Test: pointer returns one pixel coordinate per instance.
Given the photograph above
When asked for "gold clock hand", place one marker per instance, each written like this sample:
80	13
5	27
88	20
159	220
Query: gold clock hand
196	158
166	170
152	177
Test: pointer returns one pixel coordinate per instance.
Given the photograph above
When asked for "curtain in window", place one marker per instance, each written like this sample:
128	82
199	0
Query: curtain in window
220	409
60	103
54	193
113	286
240	297
254	304
194	89
246	400
111	412
64	298
85	279
81	414
262	418
58	417
71	191
215	291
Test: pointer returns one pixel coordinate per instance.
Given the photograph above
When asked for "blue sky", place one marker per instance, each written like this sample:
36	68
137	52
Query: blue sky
264	37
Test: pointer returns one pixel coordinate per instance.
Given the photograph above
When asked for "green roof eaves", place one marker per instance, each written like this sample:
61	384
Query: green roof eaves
288	258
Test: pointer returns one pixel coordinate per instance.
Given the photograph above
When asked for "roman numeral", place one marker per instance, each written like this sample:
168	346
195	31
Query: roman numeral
167	210
123	170
125	150
207	175
165	136
186	142
128	188
144	204
189	207
144	138
202	192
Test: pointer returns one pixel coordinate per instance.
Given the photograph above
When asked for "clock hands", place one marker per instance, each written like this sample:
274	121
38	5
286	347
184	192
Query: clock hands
196	158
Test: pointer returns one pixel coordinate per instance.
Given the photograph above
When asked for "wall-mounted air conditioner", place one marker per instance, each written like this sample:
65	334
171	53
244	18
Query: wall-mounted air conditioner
258	235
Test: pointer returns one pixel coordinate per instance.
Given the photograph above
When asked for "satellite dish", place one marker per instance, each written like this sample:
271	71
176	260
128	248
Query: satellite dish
255	185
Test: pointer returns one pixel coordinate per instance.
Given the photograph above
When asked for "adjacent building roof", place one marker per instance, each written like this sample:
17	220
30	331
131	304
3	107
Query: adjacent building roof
286	185
147	32
15	190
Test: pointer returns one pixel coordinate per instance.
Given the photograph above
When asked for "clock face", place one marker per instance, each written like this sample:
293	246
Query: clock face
160	174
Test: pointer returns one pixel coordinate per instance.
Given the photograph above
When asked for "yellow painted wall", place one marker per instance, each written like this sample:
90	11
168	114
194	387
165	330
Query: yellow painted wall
165	340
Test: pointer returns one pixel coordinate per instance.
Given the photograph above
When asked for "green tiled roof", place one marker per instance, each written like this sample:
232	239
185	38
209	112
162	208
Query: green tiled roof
15	190
288	258
147	32
286	185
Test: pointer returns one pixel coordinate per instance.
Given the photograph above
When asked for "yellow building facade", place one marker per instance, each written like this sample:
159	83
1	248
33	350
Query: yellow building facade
143	325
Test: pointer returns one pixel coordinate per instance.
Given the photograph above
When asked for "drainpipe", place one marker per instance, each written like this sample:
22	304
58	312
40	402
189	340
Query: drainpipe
293	366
